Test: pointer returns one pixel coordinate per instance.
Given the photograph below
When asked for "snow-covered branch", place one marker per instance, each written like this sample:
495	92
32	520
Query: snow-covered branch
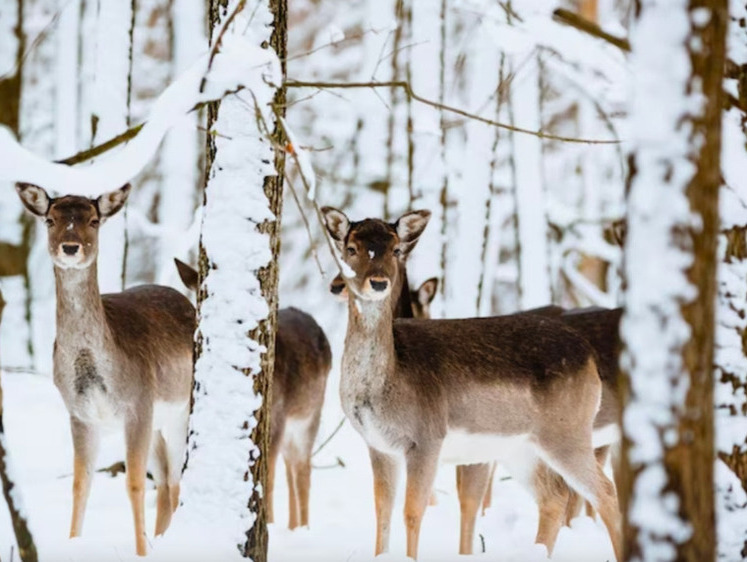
238	64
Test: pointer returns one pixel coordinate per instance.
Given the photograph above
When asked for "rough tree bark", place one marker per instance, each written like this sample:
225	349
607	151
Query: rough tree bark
674	182
251	168
26	547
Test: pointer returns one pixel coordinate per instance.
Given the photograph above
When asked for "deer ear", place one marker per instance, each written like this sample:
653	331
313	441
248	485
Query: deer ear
336	222
188	275
409	227
338	287
34	198
427	291
110	203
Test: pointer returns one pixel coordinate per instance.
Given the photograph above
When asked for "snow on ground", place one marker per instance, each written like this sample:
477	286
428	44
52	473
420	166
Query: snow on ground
342	514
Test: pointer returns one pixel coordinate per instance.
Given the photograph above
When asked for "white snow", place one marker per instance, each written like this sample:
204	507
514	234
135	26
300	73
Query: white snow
342	512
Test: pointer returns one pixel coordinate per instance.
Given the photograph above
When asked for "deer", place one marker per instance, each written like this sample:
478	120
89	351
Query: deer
599	327
523	390
121	360
303	359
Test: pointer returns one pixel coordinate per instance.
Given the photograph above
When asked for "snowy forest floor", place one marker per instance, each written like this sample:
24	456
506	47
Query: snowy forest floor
342	514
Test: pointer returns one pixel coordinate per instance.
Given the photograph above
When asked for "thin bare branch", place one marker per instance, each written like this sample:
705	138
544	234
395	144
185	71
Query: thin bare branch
84	155
568	17
330	437
312	244
410	93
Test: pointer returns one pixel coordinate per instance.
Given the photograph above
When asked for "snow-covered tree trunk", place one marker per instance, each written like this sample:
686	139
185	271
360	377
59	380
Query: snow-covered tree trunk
237	301
670	266
24	540
731	334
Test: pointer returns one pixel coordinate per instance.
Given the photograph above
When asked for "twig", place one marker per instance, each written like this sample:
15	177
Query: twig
331	435
216	45
568	17
410	93
84	155
312	244
338	464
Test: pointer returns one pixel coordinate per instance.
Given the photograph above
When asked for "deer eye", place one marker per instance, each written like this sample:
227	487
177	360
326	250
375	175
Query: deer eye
397	252
350	250
49	222
95	223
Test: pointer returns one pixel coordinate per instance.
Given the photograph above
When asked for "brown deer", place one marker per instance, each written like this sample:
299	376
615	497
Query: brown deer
120	360
474	482
302	362
518	389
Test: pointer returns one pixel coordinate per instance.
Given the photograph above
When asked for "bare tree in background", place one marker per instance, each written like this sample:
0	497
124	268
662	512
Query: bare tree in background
26	547
674	182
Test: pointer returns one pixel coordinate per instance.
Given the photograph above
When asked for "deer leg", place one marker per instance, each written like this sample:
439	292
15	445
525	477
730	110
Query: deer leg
137	438
573	458
473	482
303	486
290	474
385	486
553	496
487	500
85	447
164	508
601	454
421	472
276	435
176	445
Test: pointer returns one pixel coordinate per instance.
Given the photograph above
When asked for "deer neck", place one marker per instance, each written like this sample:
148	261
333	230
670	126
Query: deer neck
80	311
369	343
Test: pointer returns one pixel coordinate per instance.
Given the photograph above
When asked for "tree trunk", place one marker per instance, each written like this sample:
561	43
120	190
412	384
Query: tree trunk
670	266
256	537
235	347
26	547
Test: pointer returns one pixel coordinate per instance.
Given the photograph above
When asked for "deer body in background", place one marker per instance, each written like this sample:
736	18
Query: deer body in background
120	360
518	389
302	362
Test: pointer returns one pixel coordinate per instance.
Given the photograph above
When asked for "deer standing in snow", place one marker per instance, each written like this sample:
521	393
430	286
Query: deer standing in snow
302	362
120	360
558	502
518	389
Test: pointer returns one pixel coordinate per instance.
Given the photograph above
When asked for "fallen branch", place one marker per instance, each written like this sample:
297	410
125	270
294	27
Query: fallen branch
92	152
404	85
574	20
331	435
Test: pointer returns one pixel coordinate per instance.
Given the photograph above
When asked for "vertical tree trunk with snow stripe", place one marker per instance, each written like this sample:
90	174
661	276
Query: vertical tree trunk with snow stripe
731	331
670	264
237	301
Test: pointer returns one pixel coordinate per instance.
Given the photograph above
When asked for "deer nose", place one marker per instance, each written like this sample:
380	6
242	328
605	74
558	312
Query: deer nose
379	283
70	249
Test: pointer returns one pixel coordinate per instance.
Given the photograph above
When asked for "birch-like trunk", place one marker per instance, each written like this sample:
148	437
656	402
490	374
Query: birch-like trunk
534	272
237	301
670	266
106	47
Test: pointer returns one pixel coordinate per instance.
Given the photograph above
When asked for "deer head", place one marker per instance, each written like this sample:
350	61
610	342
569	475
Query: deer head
423	297
375	250
72	222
